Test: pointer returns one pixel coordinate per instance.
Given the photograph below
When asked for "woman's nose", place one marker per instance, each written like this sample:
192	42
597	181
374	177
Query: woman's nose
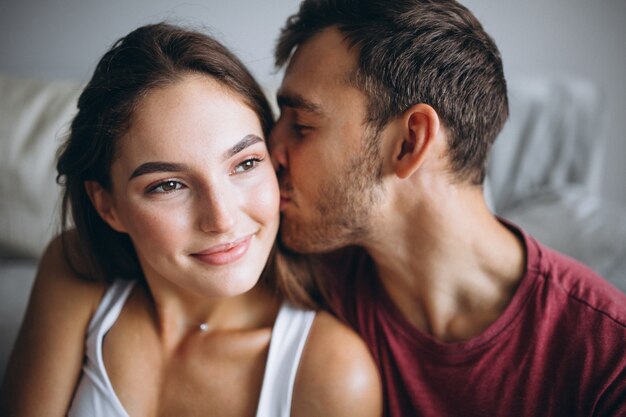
217	212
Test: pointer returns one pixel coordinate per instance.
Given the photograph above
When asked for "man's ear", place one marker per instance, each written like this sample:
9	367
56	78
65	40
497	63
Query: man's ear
103	203
420	128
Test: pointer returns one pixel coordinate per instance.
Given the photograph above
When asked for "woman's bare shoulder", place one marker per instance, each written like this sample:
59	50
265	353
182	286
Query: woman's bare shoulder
59	278
336	375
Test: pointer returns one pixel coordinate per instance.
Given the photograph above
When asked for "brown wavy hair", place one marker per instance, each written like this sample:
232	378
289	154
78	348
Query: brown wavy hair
151	56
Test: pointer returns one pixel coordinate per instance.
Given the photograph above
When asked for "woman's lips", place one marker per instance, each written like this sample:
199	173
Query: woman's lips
226	253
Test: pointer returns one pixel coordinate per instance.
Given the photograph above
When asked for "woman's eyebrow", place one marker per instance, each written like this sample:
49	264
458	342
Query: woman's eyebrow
247	140
158	166
151	167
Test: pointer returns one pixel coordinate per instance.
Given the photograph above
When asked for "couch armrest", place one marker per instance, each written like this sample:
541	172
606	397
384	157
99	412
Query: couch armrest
16	280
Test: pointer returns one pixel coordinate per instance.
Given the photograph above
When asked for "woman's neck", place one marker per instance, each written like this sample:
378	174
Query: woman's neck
177	313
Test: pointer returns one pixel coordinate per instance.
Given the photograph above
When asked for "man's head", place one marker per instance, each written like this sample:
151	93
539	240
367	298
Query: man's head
355	66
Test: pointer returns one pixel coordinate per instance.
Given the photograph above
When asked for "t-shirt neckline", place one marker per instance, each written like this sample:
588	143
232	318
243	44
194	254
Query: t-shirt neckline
463	350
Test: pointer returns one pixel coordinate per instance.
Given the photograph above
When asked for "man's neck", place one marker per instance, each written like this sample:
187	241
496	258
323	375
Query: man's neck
451	268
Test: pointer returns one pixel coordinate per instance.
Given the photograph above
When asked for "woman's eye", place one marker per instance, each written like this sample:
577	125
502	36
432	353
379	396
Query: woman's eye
166	187
246	165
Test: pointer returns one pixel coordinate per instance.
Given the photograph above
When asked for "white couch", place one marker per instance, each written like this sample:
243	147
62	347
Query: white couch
543	175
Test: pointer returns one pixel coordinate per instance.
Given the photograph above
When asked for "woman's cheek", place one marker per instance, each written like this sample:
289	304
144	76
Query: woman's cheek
156	225
264	197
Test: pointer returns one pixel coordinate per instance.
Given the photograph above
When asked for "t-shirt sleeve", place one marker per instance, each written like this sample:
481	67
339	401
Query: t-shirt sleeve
612	401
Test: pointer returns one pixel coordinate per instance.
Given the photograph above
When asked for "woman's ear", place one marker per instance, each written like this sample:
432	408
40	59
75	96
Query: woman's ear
103	203
420	128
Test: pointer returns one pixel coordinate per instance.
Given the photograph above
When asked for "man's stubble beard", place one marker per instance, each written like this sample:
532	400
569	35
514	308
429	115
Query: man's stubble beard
343	211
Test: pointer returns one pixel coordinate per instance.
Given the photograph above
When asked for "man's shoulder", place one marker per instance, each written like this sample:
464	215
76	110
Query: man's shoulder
580	286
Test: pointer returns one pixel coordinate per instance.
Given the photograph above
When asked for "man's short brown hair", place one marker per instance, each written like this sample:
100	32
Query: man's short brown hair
417	51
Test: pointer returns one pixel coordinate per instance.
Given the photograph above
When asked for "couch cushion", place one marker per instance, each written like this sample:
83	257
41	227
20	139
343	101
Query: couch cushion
553	138
34	118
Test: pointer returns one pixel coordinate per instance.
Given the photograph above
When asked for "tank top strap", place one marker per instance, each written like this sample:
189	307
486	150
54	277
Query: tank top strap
105	316
289	336
95	396
110	306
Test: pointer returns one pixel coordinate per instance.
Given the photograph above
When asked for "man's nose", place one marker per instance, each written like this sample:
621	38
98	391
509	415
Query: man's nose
278	148
217	212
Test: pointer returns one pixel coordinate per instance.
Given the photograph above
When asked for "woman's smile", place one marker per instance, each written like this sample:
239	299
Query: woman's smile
224	254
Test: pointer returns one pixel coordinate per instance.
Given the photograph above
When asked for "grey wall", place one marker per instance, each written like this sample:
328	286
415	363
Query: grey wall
63	39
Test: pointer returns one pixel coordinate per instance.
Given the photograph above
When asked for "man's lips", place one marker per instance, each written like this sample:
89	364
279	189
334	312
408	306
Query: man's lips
225	253
286	190
284	200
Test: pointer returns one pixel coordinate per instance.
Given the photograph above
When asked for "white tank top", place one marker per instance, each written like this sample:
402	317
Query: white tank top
95	396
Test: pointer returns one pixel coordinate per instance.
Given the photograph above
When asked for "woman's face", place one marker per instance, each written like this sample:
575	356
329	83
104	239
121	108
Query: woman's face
194	188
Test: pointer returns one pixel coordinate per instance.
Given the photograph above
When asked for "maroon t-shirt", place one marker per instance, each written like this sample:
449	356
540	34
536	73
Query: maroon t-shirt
559	348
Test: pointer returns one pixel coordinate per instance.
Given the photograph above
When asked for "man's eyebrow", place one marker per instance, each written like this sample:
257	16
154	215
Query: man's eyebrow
151	167
298	102
247	140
